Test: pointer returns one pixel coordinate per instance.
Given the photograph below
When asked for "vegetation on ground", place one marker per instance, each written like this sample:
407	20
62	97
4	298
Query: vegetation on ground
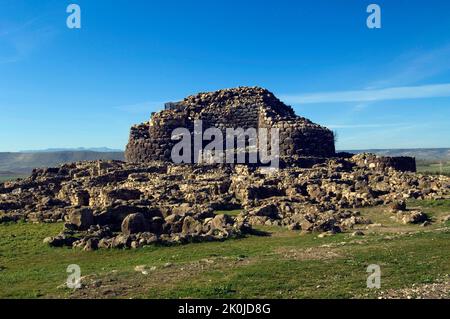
433	167
282	264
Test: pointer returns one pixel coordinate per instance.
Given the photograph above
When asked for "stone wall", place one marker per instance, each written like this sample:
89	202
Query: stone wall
242	107
403	163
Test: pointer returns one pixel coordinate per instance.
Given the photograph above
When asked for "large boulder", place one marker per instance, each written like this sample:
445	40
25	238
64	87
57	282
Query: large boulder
191	226
411	217
81	218
120	241
133	224
222	223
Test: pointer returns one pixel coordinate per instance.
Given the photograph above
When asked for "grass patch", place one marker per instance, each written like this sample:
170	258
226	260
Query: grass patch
434	167
442	203
251	267
233	212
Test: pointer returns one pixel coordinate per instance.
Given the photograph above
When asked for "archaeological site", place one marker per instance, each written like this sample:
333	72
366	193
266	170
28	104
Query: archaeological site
149	200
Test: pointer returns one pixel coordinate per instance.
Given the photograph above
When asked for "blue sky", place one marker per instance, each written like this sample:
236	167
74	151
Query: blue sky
379	88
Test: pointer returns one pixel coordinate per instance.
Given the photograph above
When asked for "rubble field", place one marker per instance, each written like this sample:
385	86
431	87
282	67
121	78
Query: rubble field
112	204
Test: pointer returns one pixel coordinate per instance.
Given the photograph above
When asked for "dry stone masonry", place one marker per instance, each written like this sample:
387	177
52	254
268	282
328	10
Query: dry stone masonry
243	107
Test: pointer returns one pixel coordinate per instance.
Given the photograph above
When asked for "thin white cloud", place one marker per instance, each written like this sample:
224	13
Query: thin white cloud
360	107
394	93
20	41
392	137
413	66
5	31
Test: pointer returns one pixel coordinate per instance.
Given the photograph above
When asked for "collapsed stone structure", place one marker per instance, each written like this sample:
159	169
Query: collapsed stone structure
243	107
302	142
112	204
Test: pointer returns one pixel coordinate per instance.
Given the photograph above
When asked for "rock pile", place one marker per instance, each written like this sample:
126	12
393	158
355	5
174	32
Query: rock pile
324	198
406	216
106	204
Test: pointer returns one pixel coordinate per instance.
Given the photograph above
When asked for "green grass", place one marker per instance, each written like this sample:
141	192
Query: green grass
443	203
234	212
286	264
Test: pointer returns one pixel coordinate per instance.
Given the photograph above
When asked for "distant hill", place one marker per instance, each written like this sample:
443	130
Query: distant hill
429	154
23	163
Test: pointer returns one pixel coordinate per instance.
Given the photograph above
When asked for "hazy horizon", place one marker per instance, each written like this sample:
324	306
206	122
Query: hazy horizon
111	150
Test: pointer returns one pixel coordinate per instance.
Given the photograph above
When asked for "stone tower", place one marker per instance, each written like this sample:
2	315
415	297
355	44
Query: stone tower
242	107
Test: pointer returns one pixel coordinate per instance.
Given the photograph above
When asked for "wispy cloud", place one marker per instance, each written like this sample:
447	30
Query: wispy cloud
394	93
360	107
395	136
18	41
395	84
11	30
413	66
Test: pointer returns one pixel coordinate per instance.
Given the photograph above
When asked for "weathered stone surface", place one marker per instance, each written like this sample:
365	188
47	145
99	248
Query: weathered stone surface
121	241
81	218
243	107
133	224
398	206
382	163
60	240
411	217
191	226
177	202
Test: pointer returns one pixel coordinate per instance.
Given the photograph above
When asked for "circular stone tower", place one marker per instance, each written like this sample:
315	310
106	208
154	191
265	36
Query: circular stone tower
242	107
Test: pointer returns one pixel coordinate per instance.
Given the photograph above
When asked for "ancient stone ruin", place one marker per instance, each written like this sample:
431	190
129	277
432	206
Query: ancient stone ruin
302	142
151	201
243	107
